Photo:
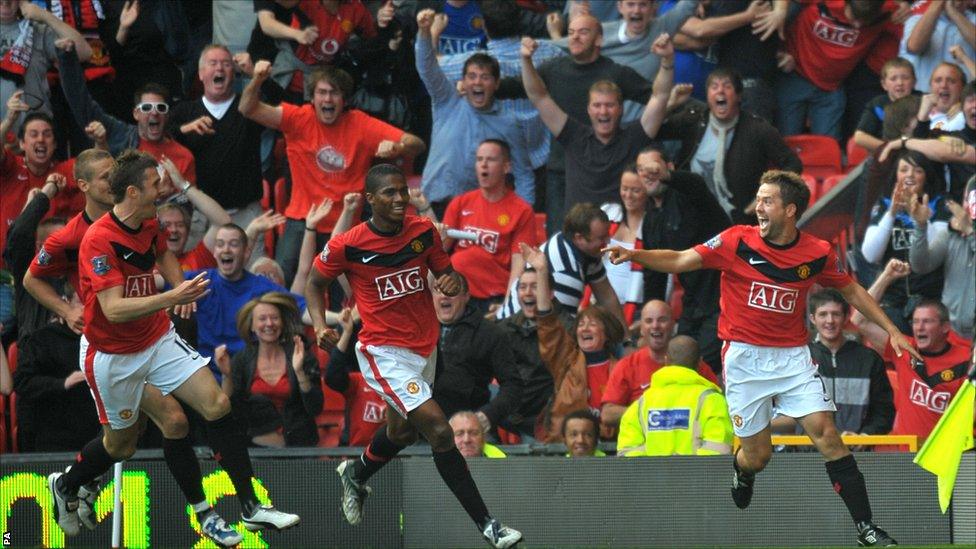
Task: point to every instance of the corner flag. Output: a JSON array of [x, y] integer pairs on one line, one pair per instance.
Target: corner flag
[[952, 436]]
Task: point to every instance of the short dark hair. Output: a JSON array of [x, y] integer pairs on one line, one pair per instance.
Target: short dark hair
[[85, 160], [631, 167], [484, 61], [792, 189], [235, 227], [828, 295], [579, 217], [726, 72], [36, 115], [866, 11], [153, 88], [934, 181], [335, 77], [969, 89], [377, 175], [655, 148], [586, 414], [130, 170], [502, 18], [52, 222], [503, 145], [935, 304]]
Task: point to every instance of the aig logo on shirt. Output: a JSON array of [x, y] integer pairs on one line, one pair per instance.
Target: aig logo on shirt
[[486, 239], [922, 395], [400, 283], [836, 34], [139, 285], [769, 297]]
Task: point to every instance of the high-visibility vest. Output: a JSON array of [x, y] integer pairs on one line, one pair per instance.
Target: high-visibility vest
[[681, 413], [492, 451]]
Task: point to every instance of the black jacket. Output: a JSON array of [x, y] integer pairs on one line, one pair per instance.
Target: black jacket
[[523, 336], [298, 415], [689, 215], [856, 380], [470, 353], [52, 419], [756, 147]]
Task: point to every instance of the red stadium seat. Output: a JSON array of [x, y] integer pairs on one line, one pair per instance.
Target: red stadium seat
[[281, 195], [265, 195], [814, 187], [855, 154], [12, 357], [819, 154], [677, 298], [831, 182]]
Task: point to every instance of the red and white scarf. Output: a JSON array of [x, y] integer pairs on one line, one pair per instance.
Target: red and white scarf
[[18, 57]]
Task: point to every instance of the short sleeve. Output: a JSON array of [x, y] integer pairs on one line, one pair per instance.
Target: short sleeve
[[572, 132], [450, 217], [51, 260], [717, 252], [100, 265], [834, 274], [525, 232], [617, 390], [594, 272], [292, 118], [871, 119], [331, 261]]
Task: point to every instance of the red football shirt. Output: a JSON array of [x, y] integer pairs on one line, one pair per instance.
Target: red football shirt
[[825, 45], [597, 375], [197, 259], [366, 408], [181, 156], [58, 255], [351, 18], [17, 181], [924, 391], [388, 275], [113, 254], [500, 227], [328, 161], [632, 376], [764, 286]]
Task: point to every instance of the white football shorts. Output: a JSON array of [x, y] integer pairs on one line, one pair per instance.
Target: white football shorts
[[403, 378]]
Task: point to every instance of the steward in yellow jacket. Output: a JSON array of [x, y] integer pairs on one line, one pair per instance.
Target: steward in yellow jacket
[[681, 413]]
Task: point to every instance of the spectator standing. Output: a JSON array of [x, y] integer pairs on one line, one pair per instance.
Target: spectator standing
[[914, 203], [500, 219], [633, 373], [580, 368], [329, 149], [897, 80], [926, 385], [225, 144], [826, 41], [599, 153], [957, 260], [730, 148], [462, 123], [681, 413], [931, 32], [682, 212], [274, 383], [854, 375], [626, 218], [471, 352], [941, 108]]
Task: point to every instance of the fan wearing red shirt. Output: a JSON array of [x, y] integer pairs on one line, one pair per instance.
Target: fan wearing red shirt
[[826, 40], [20, 174], [632, 374], [329, 149], [927, 385], [387, 260], [767, 271], [500, 219], [129, 344]]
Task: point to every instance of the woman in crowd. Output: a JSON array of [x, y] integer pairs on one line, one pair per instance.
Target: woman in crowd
[[626, 220], [915, 201], [274, 383]]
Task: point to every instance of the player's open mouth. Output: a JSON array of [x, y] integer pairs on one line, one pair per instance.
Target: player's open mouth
[[763, 222]]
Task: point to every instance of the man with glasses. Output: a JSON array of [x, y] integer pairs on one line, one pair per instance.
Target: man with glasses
[[150, 112]]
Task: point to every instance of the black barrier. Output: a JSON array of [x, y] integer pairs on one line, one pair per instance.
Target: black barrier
[[556, 502]]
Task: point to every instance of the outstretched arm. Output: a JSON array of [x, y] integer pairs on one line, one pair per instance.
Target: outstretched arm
[[665, 261], [552, 116], [859, 298], [875, 332]]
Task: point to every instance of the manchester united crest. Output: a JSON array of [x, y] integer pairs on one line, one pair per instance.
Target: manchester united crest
[[417, 246], [503, 219], [413, 387], [803, 271], [947, 375]]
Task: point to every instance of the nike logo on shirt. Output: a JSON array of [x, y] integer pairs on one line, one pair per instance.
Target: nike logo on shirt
[[754, 261], [369, 258], [467, 212]]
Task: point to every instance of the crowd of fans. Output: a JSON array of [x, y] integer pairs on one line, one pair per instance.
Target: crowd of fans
[[535, 133]]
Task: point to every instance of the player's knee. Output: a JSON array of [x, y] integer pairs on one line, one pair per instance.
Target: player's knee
[[402, 437], [175, 425], [440, 437], [757, 460], [217, 408], [119, 449]]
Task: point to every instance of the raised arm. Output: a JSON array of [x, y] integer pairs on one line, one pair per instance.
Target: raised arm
[[425, 53], [251, 105], [653, 115], [958, 17], [63, 30], [871, 330], [865, 304], [315, 289], [306, 256], [552, 116], [665, 261], [918, 40], [536, 258]]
